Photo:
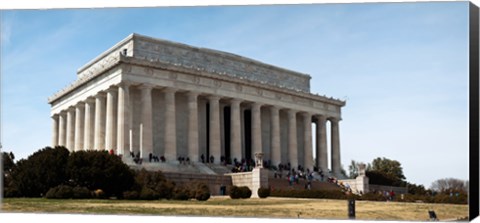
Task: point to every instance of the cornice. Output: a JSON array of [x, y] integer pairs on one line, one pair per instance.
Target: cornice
[[118, 59]]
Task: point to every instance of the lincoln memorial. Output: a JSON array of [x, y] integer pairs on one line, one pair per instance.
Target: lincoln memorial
[[151, 96]]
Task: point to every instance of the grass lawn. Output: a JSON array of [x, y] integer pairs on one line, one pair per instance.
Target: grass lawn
[[224, 206]]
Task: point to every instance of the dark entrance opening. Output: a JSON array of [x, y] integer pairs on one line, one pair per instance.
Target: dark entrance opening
[[226, 127], [207, 155], [247, 114]]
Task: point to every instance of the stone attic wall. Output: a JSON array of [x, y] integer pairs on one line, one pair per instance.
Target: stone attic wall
[[219, 62]]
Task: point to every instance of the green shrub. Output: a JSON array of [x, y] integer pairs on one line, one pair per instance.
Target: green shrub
[[81, 192], [439, 198], [40, 172], [60, 192], [131, 195], [99, 170], [235, 192], [202, 192], [10, 192], [325, 194], [263, 192], [240, 192], [372, 197], [245, 192], [181, 193], [149, 194], [154, 181]]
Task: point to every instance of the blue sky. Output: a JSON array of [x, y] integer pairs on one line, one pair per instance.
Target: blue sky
[[401, 67]]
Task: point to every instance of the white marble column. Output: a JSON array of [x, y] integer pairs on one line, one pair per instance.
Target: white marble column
[[55, 127], [99, 139], [79, 122], [146, 136], [123, 122], [193, 151], [70, 129], [170, 125], [256, 129], [307, 141], [321, 150], [110, 133], [276, 150], [89, 124], [335, 143], [292, 139], [235, 132], [214, 137], [62, 128]]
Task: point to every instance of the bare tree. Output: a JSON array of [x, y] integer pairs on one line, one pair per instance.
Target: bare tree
[[449, 185]]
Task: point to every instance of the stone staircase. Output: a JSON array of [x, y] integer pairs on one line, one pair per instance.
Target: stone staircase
[[176, 167], [172, 166], [205, 169], [213, 175], [219, 169]]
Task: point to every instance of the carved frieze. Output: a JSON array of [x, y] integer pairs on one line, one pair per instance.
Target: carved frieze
[[148, 71], [239, 88], [217, 83], [172, 75], [259, 91]]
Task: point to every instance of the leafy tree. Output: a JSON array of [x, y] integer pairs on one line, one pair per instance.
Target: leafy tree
[[8, 162], [9, 189], [448, 185], [391, 168], [369, 167], [416, 189], [99, 170], [343, 171], [42, 170], [380, 178], [353, 169]]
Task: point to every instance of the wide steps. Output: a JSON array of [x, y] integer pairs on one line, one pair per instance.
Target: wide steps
[[170, 167]]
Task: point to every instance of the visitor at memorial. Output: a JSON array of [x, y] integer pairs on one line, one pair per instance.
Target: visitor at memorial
[[212, 158], [392, 195]]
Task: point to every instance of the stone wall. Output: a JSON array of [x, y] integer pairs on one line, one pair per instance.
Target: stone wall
[[253, 180], [358, 185], [219, 62], [397, 190], [214, 182]]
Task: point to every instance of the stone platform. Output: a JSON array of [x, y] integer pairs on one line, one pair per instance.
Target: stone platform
[[216, 176]]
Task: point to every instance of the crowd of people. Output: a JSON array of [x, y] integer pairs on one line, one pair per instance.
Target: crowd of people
[[389, 195], [183, 160], [151, 158], [244, 165], [344, 186]]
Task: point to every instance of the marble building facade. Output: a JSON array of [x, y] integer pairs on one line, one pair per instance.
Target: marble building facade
[[154, 96]]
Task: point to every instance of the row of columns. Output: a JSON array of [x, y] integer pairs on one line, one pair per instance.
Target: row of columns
[[90, 123]]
